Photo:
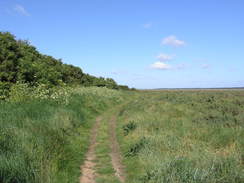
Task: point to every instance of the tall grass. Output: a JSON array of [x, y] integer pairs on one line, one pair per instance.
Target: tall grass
[[44, 136], [190, 137]]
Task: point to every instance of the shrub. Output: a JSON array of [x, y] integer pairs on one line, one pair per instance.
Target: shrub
[[129, 127], [137, 147]]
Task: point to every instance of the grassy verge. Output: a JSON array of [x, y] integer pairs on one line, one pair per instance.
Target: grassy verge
[[175, 136], [45, 140], [104, 168]]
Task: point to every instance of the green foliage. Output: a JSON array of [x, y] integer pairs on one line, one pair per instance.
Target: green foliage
[[10, 54], [4, 90], [124, 87], [22, 92], [129, 127], [137, 147], [21, 62]]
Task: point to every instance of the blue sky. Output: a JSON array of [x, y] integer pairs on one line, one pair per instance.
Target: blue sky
[[140, 43]]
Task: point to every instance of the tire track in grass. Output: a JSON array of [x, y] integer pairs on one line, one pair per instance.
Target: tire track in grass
[[88, 173], [115, 151]]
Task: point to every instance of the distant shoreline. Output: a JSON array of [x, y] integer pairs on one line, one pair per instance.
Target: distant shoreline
[[222, 88]]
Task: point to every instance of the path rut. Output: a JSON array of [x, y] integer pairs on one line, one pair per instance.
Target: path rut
[[88, 174], [115, 151], [88, 168]]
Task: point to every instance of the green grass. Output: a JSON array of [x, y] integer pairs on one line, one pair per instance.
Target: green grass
[[45, 140], [104, 168], [164, 136], [183, 136]]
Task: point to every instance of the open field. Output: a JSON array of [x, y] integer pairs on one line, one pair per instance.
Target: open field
[[139, 137], [129, 91], [183, 136]]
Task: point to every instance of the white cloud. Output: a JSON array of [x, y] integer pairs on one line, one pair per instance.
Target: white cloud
[[21, 10], [147, 25], [162, 57], [173, 41], [160, 65]]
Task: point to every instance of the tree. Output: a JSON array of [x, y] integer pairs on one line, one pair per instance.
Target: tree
[[9, 57], [21, 62]]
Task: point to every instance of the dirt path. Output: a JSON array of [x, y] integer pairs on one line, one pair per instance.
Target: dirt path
[[103, 139], [115, 152], [87, 169]]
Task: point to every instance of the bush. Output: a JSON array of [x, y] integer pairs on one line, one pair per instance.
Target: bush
[[137, 147], [129, 127]]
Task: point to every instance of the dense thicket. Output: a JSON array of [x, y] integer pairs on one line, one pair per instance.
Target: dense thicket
[[21, 62]]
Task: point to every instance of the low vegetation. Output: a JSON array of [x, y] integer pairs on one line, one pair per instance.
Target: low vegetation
[[183, 136], [44, 139]]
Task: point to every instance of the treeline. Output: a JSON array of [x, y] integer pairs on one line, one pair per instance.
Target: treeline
[[21, 62]]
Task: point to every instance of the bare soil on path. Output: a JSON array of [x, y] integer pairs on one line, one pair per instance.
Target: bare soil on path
[[87, 169], [115, 151]]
